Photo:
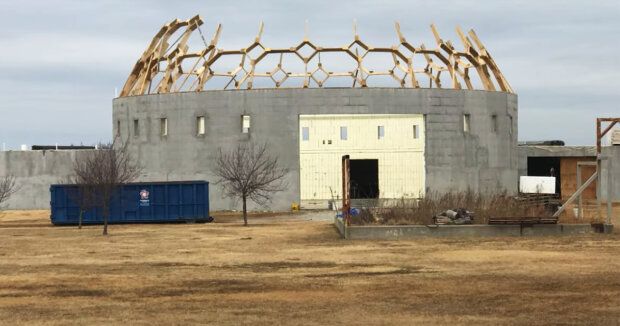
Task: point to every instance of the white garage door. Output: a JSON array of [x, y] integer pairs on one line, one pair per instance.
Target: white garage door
[[395, 141]]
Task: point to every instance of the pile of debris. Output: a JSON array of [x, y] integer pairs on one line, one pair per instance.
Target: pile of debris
[[454, 216]]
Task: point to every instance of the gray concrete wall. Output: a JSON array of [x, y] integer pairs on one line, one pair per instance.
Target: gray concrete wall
[[481, 159], [465, 231], [611, 167], [35, 171]]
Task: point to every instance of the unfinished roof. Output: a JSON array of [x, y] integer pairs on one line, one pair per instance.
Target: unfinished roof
[[170, 68]]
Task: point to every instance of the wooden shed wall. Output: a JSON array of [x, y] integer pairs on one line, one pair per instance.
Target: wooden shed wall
[[568, 176]]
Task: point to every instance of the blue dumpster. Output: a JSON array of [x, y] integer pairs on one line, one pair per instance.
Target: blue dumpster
[[155, 202]]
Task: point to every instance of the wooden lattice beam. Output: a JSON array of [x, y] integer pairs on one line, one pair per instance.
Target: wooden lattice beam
[[160, 68]]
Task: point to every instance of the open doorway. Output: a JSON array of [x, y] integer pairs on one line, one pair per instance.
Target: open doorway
[[545, 167], [364, 178]]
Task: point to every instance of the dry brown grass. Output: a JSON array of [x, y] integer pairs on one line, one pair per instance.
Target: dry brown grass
[[297, 273]]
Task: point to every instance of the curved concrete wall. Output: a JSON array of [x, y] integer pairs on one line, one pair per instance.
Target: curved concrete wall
[[481, 159]]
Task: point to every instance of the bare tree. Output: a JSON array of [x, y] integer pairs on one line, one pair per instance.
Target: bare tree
[[105, 170], [7, 187], [250, 172], [81, 193]]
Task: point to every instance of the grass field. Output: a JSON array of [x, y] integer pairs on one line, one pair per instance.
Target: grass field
[[285, 270]]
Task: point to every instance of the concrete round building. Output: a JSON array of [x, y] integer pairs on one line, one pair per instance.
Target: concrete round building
[[403, 141]]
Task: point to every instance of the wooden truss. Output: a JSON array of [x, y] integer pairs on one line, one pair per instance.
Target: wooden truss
[[169, 68], [599, 134]]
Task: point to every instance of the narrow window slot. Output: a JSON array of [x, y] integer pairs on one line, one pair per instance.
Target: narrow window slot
[[136, 127], [164, 126], [466, 122], [200, 125], [245, 124]]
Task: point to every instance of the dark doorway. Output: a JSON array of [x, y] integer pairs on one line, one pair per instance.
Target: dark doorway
[[364, 178], [545, 167]]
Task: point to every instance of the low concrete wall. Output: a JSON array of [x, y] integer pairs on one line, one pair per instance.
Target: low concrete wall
[[467, 231], [34, 172]]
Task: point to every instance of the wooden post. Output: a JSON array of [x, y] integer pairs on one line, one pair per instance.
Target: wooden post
[[580, 207], [610, 196], [346, 190]]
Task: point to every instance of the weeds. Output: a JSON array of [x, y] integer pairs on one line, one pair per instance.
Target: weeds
[[422, 211]]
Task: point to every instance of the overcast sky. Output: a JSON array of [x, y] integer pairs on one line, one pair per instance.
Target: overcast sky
[[60, 61]]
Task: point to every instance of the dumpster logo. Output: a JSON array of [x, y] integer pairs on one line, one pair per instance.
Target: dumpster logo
[[144, 197]]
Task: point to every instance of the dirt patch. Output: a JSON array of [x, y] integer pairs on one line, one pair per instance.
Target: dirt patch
[[367, 273], [78, 293], [204, 287], [13, 295], [237, 216], [173, 264], [274, 266]]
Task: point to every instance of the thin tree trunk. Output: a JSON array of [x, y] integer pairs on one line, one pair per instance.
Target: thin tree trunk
[[105, 219], [80, 219], [245, 213]]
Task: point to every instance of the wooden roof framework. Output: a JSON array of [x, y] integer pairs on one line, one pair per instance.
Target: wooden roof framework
[[160, 68]]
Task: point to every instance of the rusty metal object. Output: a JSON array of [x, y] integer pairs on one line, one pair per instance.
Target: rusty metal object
[[346, 190]]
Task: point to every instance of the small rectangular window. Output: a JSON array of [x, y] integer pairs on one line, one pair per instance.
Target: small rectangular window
[[416, 132], [343, 133], [510, 122], [245, 124], [380, 132], [164, 126], [136, 127], [494, 123], [305, 133], [200, 125], [118, 127], [466, 125]]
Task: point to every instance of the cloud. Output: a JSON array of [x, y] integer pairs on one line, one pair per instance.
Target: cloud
[[45, 113], [71, 51]]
